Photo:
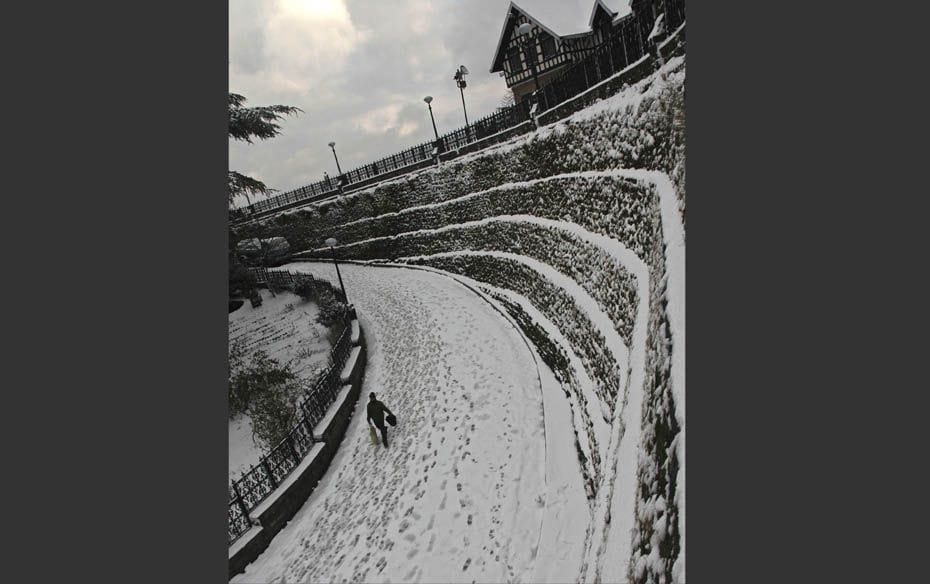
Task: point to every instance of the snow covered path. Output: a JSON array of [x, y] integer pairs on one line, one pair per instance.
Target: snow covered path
[[460, 495]]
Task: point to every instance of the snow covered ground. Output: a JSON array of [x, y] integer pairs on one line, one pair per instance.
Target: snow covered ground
[[285, 327], [610, 177], [481, 481]]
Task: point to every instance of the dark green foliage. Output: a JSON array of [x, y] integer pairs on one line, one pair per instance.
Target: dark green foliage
[[265, 390], [331, 309], [237, 400], [246, 123], [305, 287], [320, 292], [274, 411], [259, 122], [239, 184], [241, 281]]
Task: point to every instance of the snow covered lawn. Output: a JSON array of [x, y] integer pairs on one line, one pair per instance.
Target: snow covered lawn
[[285, 327]]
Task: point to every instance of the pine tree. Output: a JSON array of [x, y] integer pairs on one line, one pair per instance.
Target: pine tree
[[246, 123]]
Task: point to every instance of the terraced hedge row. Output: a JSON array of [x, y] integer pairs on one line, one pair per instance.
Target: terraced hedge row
[[656, 526], [560, 308], [558, 362], [610, 205], [637, 226], [555, 304], [599, 273], [647, 133]]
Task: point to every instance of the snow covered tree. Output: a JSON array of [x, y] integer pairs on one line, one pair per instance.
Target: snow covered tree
[[246, 123], [506, 100], [266, 391]]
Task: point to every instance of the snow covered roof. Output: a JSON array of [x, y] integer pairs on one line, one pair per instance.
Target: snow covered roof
[[617, 8], [561, 17]]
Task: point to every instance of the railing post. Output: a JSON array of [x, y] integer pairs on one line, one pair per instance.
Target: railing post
[[309, 427], [267, 467], [290, 441], [242, 505]]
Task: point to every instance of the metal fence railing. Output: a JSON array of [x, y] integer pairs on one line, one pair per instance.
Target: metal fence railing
[[286, 279], [249, 490], [625, 47]]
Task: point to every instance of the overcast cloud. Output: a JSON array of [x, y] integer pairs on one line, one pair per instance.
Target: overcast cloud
[[359, 70]]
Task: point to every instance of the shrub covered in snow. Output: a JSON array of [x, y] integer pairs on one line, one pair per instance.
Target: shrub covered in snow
[[641, 127], [656, 541], [601, 275], [322, 293], [553, 302], [267, 391]]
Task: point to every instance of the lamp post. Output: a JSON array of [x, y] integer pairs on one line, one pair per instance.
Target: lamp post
[[333, 146], [331, 243], [459, 77], [338, 180], [428, 99], [525, 31]]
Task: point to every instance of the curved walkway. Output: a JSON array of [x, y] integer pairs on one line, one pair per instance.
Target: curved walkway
[[461, 493]]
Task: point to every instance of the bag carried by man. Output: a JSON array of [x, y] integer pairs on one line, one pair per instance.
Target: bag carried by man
[[391, 419], [374, 434]]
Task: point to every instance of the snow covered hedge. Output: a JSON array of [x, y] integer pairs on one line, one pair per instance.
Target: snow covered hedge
[[656, 540], [599, 273], [615, 205], [640, 127], [558, 362], [552, 301]]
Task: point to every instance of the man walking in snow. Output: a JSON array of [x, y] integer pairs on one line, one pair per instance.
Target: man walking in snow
[[376, 411]]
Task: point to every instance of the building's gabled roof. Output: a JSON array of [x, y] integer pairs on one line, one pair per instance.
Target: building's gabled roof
[[616, 8], [560, 18]]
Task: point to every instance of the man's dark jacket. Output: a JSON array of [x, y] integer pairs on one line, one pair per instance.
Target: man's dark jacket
[[376, 411]]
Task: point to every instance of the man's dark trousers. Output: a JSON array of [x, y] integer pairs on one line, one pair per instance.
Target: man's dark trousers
[[383, 432]]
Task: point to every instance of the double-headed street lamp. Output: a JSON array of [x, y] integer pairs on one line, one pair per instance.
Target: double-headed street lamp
[[331, 244], [459, 77]]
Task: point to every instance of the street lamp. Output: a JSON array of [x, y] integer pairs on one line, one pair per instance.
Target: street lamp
[[331, 243], [459, 77], [428, 99], [333, 146], [525, 31]]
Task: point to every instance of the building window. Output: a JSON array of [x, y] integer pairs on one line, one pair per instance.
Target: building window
[[548, 47], [514, 57]]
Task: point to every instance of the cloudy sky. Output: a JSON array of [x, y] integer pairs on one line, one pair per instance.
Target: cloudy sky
[[359, 70]]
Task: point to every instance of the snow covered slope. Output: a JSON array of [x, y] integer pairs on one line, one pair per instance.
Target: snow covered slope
[[576, 235], [461, 493]]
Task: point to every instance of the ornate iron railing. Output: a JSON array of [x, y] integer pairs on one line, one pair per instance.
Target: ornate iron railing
[[286, 279], [627, 45], [249, 490]]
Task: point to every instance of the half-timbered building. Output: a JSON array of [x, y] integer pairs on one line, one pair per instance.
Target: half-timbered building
[[563, 33]]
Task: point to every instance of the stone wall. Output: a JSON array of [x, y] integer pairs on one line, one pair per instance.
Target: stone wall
[[274, 513]]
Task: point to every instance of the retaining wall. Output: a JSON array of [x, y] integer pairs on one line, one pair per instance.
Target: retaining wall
[[281, 506]]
